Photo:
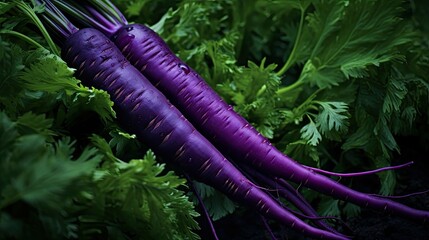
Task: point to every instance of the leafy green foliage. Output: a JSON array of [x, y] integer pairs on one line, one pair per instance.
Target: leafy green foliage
[[322, 79], [42, 178], [310, 133], [331, 83], [79, 197], [140, 199], [11, 64], [57, 178], [31, 123], [51, 75], [333, 117], [252, 93], [347, 39]]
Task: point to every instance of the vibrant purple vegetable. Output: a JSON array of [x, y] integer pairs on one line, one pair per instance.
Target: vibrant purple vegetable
[[224, 127], [214, 118], [145, 111], [290, 194]]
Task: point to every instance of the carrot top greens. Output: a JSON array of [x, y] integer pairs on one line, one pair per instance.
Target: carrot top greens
[[67, 171]]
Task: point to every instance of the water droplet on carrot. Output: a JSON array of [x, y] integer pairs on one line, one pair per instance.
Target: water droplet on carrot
[[128, 38], [184, 68]]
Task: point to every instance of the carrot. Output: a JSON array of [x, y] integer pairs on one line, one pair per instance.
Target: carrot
[[143, 110], [212, 116]]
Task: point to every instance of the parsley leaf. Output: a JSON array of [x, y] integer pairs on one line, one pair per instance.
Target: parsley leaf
[[310, 133], [346, 39], [40, 178], [332, 116], [50, 74], [141, 198]]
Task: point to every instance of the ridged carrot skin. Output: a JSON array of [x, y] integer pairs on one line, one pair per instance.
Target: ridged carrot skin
[[226, 129], [146, 112]]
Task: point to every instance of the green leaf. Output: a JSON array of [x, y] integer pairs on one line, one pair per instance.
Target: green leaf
[[351, 210], [332, 117], [42, 173], [385, 135], [135, 8], [408, 116], [32, 123], [125, 146], [321, 77], [91, 99], [141, 198], [50, 74], [347, 39], [39, 180], [395, 92], [222, 56], [8, 133], [11, 65], [253, 91], [189, 23], [216, 203], [329, 207], [297, 114], [304, 152], [388, 183], [363, 135], [310, 133], [4, 7]]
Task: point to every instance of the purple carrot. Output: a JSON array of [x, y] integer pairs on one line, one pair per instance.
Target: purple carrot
[[143, 110], [356, 174], [203, 208], [291, 195], [212, 116]]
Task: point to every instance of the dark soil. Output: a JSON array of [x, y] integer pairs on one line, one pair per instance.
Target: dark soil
[[369, 225], [375, 225]]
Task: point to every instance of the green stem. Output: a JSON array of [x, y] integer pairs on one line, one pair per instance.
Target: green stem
[[32, 15], [23, 37], [240, 23], [294, 85], [290, 60], [261, 90]]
